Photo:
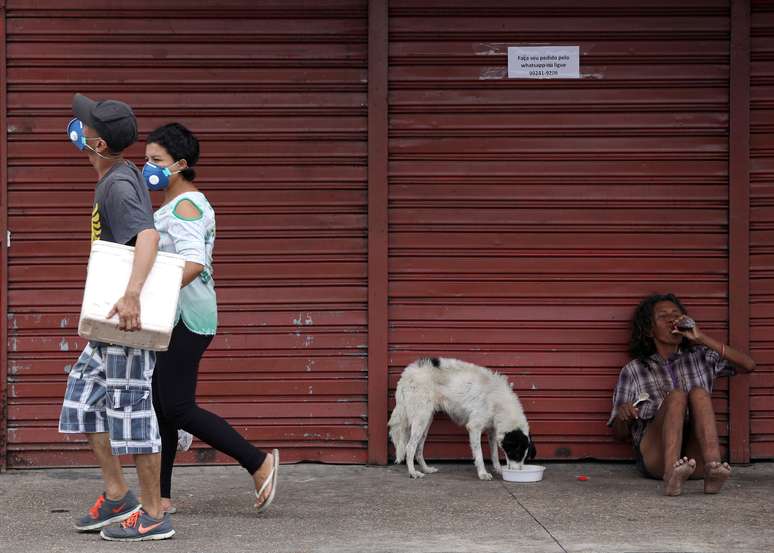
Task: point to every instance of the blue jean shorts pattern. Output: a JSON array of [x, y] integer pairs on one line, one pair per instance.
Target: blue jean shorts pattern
[[109, 390]]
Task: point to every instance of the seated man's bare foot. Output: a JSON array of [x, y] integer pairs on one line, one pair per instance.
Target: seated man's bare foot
[[715, 475], [680, 472]]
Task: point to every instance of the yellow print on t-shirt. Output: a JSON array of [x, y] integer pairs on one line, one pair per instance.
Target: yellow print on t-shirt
[[96, 224]]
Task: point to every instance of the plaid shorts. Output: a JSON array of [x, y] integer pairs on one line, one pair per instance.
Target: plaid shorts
[[109, 390]]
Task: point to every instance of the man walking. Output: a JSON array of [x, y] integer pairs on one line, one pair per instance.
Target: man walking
[[108, 395]]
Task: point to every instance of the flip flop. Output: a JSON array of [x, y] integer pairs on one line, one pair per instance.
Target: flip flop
[[272, 478], [171, 511]]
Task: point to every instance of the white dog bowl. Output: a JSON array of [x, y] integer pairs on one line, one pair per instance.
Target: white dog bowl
[[527, 473]]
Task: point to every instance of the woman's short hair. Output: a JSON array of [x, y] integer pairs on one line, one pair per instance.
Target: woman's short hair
[[180, 143]]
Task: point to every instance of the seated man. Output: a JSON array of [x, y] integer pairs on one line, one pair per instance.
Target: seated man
[[675, 365]]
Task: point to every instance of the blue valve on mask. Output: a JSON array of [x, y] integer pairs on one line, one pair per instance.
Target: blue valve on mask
[[75, 133], [156, 177]]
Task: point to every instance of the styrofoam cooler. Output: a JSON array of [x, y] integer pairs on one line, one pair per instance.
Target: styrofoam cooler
[[110, 266]]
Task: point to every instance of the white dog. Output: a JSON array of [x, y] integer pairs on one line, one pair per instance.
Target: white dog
[[472, 396]]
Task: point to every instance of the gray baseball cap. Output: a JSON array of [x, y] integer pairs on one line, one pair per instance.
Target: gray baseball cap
[[113, 120]]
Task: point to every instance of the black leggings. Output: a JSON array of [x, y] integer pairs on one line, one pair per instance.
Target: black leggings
[[174, 390]]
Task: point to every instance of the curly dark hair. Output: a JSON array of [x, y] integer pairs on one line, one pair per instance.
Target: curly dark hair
[[641, 344], [180, 143]]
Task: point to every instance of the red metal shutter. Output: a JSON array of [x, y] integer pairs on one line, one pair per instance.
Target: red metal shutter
[[528, 218], [276, 91], [762, 230]]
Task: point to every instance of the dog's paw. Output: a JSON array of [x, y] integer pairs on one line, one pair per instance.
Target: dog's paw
[[484, 476], [429, 470], [498, 469], [416, 474]]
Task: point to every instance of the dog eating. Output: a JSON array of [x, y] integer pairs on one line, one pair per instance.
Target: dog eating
[[473, 397]]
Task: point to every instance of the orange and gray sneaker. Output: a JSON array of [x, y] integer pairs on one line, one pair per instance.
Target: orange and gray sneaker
[[140, 526], [106, 511]]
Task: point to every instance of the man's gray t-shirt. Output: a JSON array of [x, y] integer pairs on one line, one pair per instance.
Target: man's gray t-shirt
[[122, 205]]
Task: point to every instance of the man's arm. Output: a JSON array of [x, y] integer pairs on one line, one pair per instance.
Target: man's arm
[[621, 423], [128, 307], [736, 358], [624, 411], [621, 431]]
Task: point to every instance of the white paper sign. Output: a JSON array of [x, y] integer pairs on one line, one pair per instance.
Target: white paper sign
[[544, 62]]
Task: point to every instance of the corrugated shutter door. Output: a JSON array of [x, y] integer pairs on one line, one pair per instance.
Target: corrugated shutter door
[[277, 93], [528, 218], [762, 230]]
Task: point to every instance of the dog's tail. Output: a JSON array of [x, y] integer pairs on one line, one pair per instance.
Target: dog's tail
[[399, 428]]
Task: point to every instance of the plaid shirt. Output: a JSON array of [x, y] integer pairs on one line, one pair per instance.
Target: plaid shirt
[[697, 366]]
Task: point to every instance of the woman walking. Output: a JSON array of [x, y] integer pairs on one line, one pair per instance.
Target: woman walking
[[186, 224]]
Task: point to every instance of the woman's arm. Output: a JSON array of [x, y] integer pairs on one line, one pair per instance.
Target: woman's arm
[[188, 211], [190, 272]]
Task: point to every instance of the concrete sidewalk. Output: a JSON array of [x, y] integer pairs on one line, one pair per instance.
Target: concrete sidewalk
[[326, 508]]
